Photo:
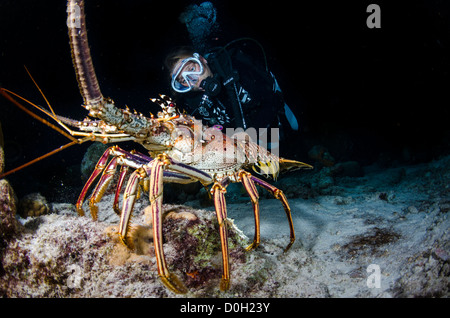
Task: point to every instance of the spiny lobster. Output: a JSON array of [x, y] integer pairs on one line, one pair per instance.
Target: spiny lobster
[[181, 150]]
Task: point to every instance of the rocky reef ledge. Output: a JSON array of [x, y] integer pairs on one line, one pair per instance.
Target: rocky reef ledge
[[381, 233]]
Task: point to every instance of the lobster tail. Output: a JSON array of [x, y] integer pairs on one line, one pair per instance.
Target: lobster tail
[[81, 55]]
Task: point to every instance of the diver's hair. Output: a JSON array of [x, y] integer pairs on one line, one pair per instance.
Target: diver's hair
[[175, 55]]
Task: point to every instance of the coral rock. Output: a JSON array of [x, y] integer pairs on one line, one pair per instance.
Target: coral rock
[[348, 169], [33, 204], [90, 159], [8, 223], [69, 256], [321, 155], [2, 160], [2, 154]]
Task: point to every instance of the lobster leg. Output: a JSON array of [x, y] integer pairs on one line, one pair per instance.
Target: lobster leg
[[122, 158], [101, 164], [218, 190], [161, 169], [101, 187], [249, 185], [129, 198], [157, 174], [128, 232], [123, 173], [156, 197], [278, 194]]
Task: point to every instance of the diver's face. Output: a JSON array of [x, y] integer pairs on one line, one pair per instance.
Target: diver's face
[[190, 74]]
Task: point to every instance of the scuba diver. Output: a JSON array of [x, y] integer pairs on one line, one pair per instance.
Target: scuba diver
[[228, 89]]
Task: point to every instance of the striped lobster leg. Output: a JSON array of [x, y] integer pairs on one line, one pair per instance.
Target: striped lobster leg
[[101, 164], [101, 187], [123, 172], [218, 191], [156, 196], [249, 185], [161, 169], [122, 175], [121, 157], [278, 194]]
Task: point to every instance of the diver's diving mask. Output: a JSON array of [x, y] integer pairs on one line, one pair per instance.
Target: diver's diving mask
[[187, 74]]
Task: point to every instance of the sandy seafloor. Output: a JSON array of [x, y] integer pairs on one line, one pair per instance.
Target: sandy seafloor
[[392, 221]]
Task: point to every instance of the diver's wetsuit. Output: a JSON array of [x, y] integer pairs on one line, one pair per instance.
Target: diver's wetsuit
[[260, 100]]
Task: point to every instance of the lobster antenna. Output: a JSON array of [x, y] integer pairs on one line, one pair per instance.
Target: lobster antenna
[[74, 141], [42, 93], [5, 92], [2, 175]]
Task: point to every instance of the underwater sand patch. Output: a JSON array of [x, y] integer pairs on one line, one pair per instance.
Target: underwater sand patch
[[370, 243]]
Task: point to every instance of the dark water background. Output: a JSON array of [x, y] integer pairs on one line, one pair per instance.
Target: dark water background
[[362, 93]]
